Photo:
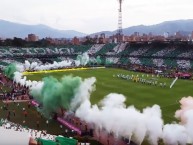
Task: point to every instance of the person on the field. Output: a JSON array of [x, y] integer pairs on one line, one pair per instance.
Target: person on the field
[[155, 83]]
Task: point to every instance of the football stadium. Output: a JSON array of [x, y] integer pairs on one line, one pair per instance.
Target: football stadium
[[102, 94]]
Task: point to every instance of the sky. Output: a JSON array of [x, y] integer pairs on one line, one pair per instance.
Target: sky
[[90, 16]]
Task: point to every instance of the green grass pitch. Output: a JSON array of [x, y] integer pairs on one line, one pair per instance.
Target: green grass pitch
[[137, 94]]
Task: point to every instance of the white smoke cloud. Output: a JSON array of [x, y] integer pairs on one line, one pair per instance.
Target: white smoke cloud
[[37, 66], [189, 122], [20, 67], [154, 123], [33, 65], [115, 117], [112, 115], [85, 58], [27, 65], [37, 87], [55, 65], [174, 134], [82, 59], [83, 93], [22, 80]]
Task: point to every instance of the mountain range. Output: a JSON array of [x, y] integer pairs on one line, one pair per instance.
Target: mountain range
[[183, 26], [11, 29]]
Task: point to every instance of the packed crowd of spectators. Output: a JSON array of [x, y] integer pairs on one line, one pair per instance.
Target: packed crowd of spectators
[[173, 56]]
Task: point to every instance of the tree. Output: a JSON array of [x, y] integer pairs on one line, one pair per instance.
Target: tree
[[89, 40], [7, 42], [18, 42]]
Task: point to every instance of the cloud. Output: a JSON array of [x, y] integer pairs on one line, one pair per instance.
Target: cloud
[[92, 16]]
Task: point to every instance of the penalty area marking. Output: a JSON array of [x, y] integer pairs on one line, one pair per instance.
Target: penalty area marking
[[61, 70]]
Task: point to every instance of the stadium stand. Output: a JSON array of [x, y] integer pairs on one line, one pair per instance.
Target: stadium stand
[[152, 55], [95, 48], [105, 49]]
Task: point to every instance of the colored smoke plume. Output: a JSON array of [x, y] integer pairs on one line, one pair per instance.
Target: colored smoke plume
[[185, 114], [82, 59], [10, 70], [108, 62], [186, 105], [65, 93], [98, 60]]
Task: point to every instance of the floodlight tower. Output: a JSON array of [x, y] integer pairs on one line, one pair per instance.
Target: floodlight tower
[[120, 30]]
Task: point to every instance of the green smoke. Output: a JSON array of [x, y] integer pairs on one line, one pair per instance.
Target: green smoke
[[98, 59], [56, 94], [91, 61], [79, 57], [84, 58], [108, 62], [9, 70]]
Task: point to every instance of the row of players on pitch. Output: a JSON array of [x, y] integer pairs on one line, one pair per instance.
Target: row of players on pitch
[[151, 81]]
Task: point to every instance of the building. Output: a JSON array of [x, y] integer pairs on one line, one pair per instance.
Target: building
[[192, 35], [32, 38], [166, 34], [178, 35], [75, 41], [55, 41], [136, 34]]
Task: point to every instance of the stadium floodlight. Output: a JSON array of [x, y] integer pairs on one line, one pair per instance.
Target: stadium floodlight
[[120, 30]]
